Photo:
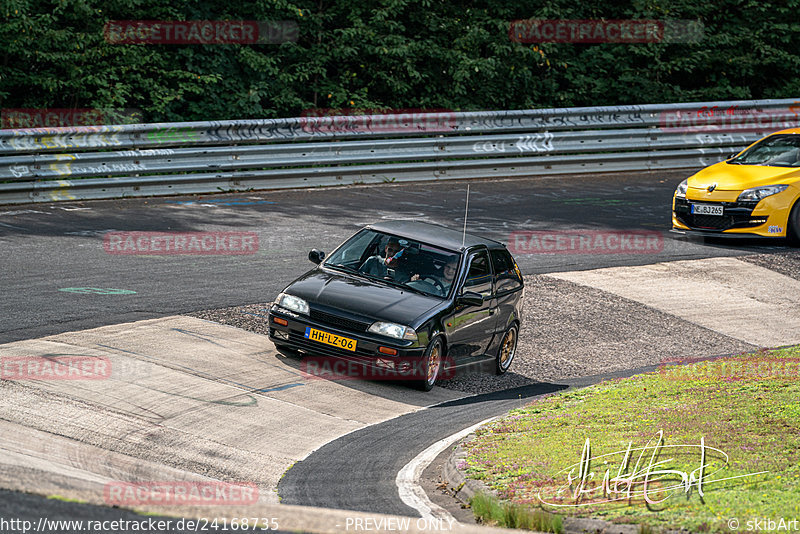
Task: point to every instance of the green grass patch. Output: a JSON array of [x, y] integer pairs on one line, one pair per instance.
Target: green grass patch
[[695, 437], [489, 510]]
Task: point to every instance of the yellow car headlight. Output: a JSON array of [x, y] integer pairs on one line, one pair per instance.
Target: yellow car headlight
[[757, 193]]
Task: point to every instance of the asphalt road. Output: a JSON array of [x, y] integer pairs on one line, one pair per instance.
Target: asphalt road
[[47, 248], [372, 456]]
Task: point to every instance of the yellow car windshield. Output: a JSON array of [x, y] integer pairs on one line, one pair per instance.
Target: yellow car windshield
[[774, 151]]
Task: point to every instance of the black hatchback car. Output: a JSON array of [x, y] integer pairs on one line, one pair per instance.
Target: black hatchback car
[[407, 300]]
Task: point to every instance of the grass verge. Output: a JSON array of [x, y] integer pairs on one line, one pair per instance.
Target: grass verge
[[694, 446], [491, 511]]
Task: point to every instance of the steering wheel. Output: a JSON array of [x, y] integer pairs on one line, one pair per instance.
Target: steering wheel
[[436, 283]]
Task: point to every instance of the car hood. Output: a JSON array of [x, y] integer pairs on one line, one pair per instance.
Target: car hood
[[361, 296], [739, 177]]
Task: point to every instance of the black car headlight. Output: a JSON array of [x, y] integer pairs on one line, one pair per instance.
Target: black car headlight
[[757, 193], [290, 302], [396, 331], [680, 192]]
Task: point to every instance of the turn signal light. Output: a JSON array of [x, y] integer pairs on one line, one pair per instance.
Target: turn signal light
[[387, 350], [282, 322]]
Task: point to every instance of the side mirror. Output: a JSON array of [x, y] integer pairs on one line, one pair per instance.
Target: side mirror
[[316, 256], [470, 298]]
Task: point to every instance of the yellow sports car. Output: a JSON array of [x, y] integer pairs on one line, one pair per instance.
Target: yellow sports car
[[755, 193]]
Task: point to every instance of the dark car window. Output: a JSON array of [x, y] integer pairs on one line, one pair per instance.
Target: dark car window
[[479, 277], [506, 274], [415, 265]]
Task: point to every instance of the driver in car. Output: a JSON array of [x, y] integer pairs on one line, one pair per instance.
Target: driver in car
[[394, 265]]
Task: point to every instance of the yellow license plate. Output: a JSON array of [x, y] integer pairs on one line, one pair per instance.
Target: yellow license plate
[[330, 339]]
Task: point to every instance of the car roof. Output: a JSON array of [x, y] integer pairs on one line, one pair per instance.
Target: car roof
[[786, 131], [433, 234]]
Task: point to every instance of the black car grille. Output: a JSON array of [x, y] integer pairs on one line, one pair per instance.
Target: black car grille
[[338, 321], [736, 215]]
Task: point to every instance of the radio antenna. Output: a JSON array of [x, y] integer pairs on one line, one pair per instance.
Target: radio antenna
[[466, 212]]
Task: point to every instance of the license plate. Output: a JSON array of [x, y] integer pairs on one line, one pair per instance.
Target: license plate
[[706, 209], [330, 339]]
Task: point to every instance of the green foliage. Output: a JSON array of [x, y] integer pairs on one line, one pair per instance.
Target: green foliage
[[388, 54], [488, 509]]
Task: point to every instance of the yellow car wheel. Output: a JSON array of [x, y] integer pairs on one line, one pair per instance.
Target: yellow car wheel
[[793, 231]]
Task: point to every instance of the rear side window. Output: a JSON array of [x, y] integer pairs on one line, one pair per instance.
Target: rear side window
[[479, 277], [506, 273]]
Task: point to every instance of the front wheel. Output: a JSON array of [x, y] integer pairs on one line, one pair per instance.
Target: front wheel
[[793, 231], [508, 347], [432, 364]]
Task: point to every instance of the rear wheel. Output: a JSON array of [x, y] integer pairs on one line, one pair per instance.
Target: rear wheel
[[793, 231], [508, 347], [433, 363]]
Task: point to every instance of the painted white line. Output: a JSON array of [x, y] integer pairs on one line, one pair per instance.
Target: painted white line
[[411, 493]]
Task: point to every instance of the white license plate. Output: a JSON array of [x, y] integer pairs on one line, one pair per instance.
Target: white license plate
[[706, 209]]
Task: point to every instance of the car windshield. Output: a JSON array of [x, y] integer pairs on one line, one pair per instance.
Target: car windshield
[[398, 261], [774, 151]]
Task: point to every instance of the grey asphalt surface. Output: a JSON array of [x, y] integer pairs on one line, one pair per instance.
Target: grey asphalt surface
[[48, 247]]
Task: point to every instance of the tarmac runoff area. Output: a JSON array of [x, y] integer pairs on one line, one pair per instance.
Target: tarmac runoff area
[[729, 296], [195, 402]]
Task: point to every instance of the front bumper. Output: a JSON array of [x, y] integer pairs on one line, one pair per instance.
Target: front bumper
[[407, 363], [736, 216]]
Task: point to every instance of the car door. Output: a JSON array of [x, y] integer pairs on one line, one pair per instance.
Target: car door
[[470, 328], [507, 287]]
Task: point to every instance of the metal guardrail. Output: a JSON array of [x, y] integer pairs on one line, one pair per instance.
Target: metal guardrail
[[46, 164]]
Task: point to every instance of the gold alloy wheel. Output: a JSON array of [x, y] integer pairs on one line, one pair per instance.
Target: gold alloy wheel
[[433, 363], [509, 345]]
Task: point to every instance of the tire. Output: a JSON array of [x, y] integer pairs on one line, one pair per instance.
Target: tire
[[433, 365], [793, 229], [507, 350]]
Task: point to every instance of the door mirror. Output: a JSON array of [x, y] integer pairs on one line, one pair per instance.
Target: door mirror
[[316, 256], [470, 298]]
